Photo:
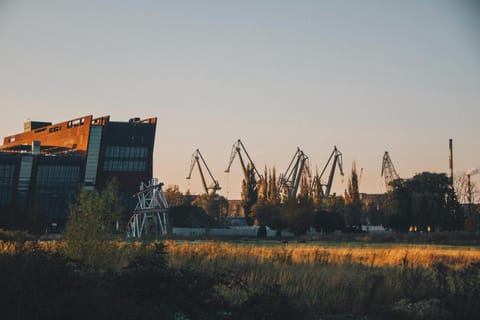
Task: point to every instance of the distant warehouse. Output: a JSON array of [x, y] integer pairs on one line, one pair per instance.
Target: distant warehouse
[[42, 169]]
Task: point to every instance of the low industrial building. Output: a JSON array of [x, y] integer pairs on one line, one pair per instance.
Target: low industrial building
[[43, 168]]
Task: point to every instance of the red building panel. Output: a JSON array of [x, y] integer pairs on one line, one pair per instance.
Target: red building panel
[[72, 134]]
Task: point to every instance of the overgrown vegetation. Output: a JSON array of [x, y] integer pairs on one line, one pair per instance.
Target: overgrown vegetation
[[425, 202], [93, 217], [90, 275], [214, 280]]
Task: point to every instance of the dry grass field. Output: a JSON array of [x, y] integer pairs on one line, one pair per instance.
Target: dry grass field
[[336, 278], [378, 280], [372, 255]]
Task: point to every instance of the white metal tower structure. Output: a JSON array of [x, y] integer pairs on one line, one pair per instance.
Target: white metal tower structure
[[150, 215]]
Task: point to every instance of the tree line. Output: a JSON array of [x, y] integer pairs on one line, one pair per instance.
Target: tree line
[[425, 202]]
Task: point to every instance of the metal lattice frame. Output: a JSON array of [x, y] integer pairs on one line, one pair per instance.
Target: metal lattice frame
[[290, 181], [388, 171], [150, 215]]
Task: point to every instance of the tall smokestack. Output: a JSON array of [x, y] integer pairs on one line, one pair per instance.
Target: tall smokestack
[[469, 195], [450, 162]]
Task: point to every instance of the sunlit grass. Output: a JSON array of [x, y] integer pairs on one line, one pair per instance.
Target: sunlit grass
[[232, 253], [328, 278], [321, 277], [373, 256]]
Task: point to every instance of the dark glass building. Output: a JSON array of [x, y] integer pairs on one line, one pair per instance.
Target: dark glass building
[[43, 168]]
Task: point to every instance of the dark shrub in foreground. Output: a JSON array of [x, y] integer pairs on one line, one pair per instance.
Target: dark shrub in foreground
[[148, 281], [269, 304], [34, 284]]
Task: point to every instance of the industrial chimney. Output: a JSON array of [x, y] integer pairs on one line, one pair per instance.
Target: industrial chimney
[[450, 162]]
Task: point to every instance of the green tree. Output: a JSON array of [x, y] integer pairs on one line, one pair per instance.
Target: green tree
[[426, 200], [111, 205], [93, 216], [353, 206], [455, 217], [213, 204], [398, 206], [261, 212], [276, 219], [263, 186], [298, 215], [173, 196], [333, 203], [85, 229], [328, 222], [305, 192], [373, 214], [273, 191], [249, 194]]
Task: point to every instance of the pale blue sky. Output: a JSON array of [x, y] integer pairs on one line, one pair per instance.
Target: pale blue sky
[[367, 76]]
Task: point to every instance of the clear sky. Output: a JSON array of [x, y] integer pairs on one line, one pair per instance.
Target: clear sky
[[366, 76]]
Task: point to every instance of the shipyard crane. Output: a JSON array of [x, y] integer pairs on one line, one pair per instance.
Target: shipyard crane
[[388, 171], [290, 180], [237, 149], [196, 157], [336, 160]]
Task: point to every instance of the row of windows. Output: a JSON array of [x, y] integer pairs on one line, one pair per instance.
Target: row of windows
[[126, 165], [46, 172], [6, 174], [58, 178], [75, 123], [126, 152]]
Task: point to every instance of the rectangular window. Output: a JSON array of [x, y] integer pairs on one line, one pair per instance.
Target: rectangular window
[[125, 158]]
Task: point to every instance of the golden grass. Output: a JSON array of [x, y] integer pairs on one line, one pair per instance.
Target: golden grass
[[304, 254], [321, 278], [340, 277], [419, 255]]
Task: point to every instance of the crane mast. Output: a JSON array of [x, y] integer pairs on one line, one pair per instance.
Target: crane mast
[[336, 159], [196, 158], [388, 171], [237, 148], [290, 180]]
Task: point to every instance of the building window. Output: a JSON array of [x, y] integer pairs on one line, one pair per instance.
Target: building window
[[125, 158], [57, 179], [6, 183]]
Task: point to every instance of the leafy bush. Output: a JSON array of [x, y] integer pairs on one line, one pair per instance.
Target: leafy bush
[[191, 216]]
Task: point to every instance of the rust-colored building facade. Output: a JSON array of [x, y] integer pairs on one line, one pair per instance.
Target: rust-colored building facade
[[42, 168]]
